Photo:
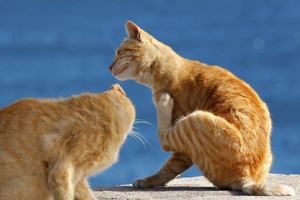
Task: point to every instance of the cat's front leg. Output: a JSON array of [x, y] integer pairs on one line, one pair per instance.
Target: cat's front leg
[[164, 107], [60, 180], [83, 191], [178, 162], [175, 165]]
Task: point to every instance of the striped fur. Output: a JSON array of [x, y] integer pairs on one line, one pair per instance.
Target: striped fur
[[49, 147], [218, 121]]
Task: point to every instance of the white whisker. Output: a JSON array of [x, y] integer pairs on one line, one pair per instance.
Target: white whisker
[[137, 121], [114, 46], [137, 135]]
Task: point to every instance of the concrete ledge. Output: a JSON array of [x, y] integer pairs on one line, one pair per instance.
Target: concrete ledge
[[192, 188]]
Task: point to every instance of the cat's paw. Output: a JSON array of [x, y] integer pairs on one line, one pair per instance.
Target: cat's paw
[[165, 103], [142, 184]]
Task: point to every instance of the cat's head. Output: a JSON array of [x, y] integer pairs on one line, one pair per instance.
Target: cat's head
[[136, 53], [123, 105]]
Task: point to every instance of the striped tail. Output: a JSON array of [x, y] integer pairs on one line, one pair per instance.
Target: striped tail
[[266, 189]]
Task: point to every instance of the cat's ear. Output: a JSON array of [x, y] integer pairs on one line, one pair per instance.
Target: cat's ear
[[117, 88], [133, 31]]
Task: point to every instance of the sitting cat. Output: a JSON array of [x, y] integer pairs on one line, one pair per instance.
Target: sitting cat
[[49, 147], [218, 121]]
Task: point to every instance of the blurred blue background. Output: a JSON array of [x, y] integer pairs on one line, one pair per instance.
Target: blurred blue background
[[59, 48]]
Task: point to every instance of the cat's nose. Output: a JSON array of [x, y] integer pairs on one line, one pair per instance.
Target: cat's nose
[[110, 67]]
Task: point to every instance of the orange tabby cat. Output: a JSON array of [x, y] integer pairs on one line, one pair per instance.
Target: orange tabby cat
[[218, 121], [49, 147]]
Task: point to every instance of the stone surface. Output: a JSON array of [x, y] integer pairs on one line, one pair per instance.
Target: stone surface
[[192, 188]]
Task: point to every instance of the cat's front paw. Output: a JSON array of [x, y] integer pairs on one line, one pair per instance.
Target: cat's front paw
[[144, 184], [165, 103]]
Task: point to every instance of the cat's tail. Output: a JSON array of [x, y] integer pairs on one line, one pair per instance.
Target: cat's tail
[[266, 189]]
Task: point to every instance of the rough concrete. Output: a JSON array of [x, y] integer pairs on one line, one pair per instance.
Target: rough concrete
[[192, 188]]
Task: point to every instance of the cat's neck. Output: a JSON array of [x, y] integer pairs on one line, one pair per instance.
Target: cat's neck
[[162, 69]]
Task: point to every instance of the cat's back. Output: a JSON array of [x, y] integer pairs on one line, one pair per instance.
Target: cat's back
[[41, 116], [13, 116], [217, 90], [221, 90], [18, 107], [25, 116], [212, 85]]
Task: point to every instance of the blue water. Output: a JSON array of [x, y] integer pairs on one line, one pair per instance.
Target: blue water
[[59, 48]]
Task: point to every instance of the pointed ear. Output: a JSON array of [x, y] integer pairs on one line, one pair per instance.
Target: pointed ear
[[133, 31]]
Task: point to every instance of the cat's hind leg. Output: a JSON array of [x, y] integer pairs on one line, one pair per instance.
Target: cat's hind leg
[[212, 143], [196, 130]]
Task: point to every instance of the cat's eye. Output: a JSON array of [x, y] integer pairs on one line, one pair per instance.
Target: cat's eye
[[118, 53]]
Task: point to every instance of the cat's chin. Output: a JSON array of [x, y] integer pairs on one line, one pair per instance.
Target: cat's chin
[[120, 78], [123, 74]]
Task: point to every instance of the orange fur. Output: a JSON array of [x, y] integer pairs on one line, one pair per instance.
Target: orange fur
[[49, 147], [218, 121]]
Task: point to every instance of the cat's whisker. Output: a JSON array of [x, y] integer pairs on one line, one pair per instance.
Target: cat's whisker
[[113, 46], [137, 135], [137, 121]]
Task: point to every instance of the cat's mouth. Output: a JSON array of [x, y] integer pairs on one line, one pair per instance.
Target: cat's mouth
[[120, 71]]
